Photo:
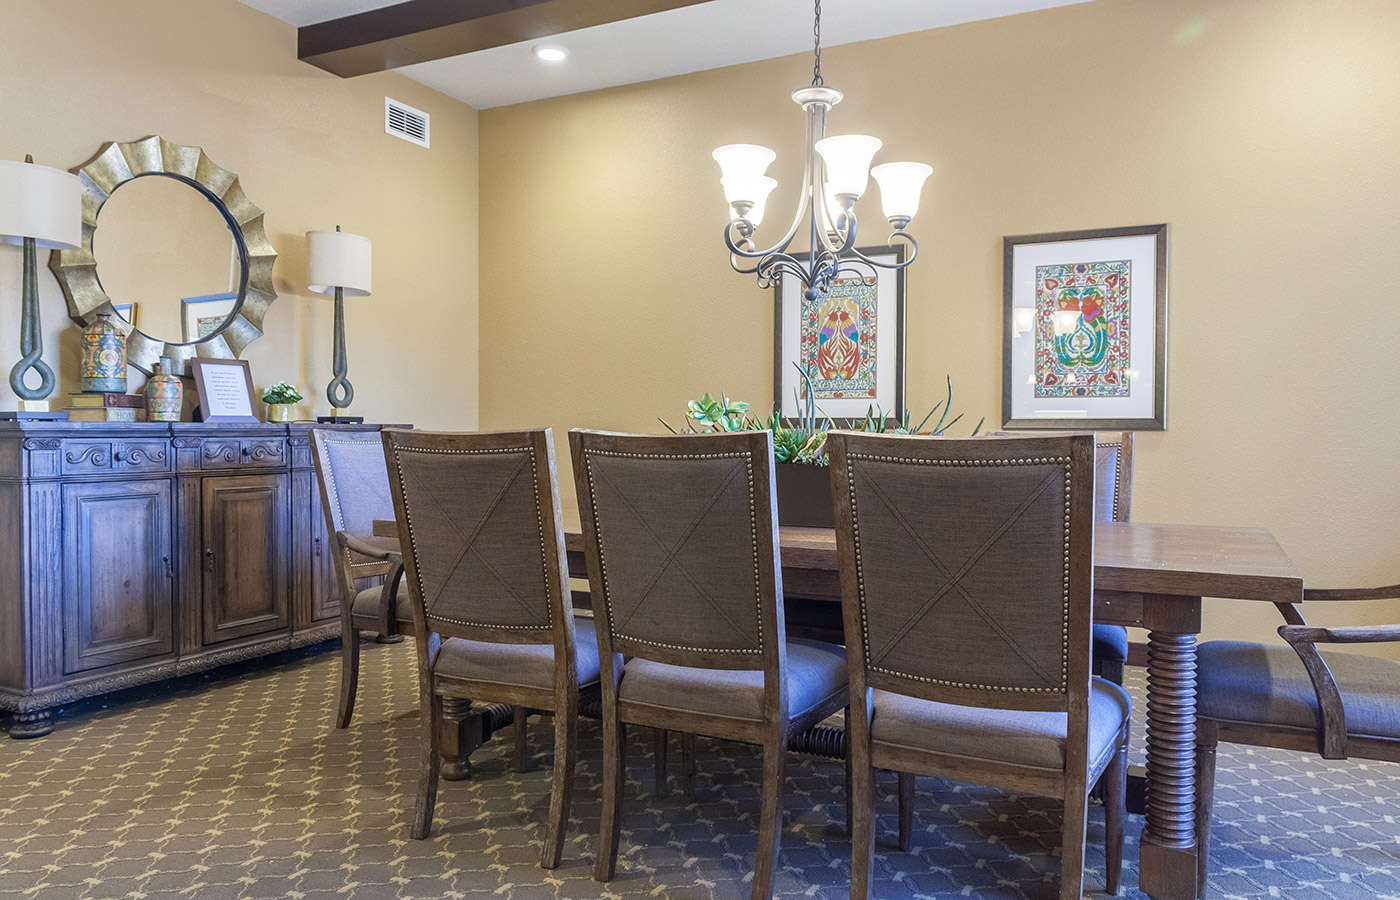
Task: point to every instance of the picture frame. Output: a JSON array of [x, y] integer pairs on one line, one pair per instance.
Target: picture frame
[[225, 389], [1084, 330], [870, 373], [127, 311], [202, 317]]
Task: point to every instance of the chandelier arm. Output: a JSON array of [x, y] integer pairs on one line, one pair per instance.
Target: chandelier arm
[[908, 240], [737, 248]]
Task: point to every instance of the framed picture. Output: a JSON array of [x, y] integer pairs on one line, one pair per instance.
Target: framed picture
[[225, 389], [849, 341], [1084, 330], [127, 311], [203, 316]]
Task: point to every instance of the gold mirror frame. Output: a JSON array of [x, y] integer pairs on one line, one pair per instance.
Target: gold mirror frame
[[76, 270]]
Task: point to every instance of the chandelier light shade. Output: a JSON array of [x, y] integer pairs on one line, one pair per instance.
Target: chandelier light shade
[[837, 173]]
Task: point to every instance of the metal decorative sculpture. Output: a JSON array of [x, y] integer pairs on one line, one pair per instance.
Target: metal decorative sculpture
[[76, 270]]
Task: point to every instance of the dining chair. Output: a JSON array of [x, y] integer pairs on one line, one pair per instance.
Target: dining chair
[[354, 492], [488, 581], [1113, 501], [1338, 705], [680, 533], [967, 593]]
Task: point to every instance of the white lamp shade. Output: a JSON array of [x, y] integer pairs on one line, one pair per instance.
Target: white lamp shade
[[1065, 321], [847, 159], [1022, 319], [42, 203], [743, 161], [753, 191], [900, 186], [338, 259]]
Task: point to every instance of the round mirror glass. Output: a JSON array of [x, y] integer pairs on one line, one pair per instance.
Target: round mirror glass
[[167, 259]]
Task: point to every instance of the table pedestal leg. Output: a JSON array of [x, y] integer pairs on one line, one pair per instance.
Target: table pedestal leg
[[1168, 857], [461, 734]]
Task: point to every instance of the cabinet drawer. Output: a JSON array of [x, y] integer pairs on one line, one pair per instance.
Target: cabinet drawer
[[230, 453], [92, 457]]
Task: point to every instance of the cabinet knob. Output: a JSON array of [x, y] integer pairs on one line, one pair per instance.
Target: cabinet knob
[[209, 558], [169, 572], [117, 456], [247, 452], [318, 545]]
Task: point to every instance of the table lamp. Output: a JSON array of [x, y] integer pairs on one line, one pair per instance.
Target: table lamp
[[40, 207], [338, 262]]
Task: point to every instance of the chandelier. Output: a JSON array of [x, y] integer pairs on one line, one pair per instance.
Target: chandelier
[[837, 174]]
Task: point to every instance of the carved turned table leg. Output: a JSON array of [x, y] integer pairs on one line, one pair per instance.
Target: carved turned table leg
[[1168, 858], [32, 724], [461, 734]]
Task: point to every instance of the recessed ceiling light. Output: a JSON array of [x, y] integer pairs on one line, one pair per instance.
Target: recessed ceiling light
[[550, 52]]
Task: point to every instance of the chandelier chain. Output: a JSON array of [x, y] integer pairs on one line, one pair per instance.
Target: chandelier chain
[[817, 46]]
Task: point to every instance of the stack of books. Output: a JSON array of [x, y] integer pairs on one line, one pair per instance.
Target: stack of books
[[110, 407]]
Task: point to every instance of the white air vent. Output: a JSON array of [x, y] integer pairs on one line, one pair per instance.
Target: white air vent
[[402, 120]]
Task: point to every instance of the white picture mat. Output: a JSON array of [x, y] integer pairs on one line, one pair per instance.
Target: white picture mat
[[886, 346], [1141, 252], [226, 391]]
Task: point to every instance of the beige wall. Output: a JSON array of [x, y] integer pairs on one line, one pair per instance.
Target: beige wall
[[310, 150], [1263, 131]]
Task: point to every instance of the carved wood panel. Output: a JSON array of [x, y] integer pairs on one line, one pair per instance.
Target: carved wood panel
[[247, 548]]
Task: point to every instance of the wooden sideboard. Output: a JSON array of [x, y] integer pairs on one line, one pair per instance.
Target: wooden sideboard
[[131, 553]]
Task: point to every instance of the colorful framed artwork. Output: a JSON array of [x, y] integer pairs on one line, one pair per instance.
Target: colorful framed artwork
[[225, 388], [849, 341], [204, 316], [1084, 330]]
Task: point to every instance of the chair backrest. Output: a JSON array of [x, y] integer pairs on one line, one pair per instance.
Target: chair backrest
[[681, 537], [354, 481], [1113, 472], [967, 566], [482, 537]]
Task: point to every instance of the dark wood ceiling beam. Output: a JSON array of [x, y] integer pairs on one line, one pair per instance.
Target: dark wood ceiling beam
[[423, 30]]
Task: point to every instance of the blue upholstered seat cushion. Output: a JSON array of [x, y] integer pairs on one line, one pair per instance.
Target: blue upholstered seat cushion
[[1110, 643], [527, 665], [367, 604], [1035, 739], [1267, 684], [814, 672]]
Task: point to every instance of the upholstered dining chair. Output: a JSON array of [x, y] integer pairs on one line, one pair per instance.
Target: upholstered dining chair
[[680, 533], [483, 551], [1339, 705], [1113, 502], [967, 591], [354, 492]]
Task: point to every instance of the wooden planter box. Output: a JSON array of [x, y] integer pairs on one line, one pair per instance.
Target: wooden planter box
[[804, 495]]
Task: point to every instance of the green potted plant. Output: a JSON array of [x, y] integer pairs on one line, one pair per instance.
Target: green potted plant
[[281, 399]]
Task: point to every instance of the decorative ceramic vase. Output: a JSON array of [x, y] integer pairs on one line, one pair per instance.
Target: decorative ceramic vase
[[104, 357], [281, 412], [165, 394]]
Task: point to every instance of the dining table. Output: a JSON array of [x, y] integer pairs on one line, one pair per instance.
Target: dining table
[[1151, 576]]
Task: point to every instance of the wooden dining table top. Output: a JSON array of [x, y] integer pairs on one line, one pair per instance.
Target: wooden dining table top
[[1142, 557]]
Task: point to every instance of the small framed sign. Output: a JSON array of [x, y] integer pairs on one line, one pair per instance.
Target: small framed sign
[[225, 389]]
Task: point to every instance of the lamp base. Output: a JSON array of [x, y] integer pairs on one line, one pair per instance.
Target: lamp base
[[13, 415], [341, 420]]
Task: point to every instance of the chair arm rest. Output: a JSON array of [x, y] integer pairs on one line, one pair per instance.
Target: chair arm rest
[[1329, 698], [1362, 634], [1389, 592], [386, 549]]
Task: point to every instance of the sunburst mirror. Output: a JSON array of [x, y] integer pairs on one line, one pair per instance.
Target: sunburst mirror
[[154, 257]]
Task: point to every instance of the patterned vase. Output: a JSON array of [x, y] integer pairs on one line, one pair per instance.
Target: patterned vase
[[104, 357], [165, 394]]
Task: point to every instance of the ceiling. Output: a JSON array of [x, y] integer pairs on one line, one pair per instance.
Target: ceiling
[[706, 36]]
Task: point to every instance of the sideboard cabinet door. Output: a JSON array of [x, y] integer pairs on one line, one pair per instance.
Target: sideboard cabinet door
[[116, 572], [247, 549], [325, 590]]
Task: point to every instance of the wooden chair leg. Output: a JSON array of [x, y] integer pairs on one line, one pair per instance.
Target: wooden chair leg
[[614, 776], [1205, 800], [561, 790], [862, 801], [349, 675], [430, 730], [522, 727], [1115, 788], [658, 756], [770, 827], [1072, 842], [906, 811], [688, 766]]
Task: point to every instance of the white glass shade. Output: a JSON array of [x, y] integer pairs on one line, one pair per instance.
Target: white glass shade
[[1065, 320], [338, 259], [743, 161], [1022, 320], [900, 186], [42, 203], [753, 191], [847, 159]]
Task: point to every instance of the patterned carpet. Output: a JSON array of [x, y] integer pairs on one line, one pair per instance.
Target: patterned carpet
[[233, 786]]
